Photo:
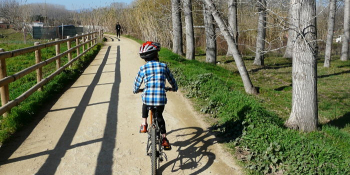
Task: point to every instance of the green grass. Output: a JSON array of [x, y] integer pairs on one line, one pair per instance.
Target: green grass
[[275, 82], [26, 111], [252, 126]]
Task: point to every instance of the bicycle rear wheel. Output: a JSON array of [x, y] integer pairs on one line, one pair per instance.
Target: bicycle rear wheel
[[153, 151]]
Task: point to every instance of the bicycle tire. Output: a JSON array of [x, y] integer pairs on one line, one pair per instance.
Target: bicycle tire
[[153, 151]]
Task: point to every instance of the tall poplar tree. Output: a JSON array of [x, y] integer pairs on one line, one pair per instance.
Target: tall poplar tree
[[260, 39], [210, 36], [330, 31], [304, 114], [190, 45], [177, 27], [232, 22], [346, 37], [291, 30]]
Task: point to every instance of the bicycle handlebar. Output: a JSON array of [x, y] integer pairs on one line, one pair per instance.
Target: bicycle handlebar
[[166, 89]]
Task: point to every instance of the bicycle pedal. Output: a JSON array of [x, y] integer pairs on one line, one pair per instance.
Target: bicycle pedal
[[167, 148]]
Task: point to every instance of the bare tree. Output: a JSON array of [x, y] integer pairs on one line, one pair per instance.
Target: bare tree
[[346, 38], [291, 31], [331, 19], [177, 27], [210, 36], [190, 47], [232, 21], [248, 86], [304, 114], [9, 9], [260, 39]]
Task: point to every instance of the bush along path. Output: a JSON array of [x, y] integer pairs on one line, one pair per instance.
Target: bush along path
[[256, 136]]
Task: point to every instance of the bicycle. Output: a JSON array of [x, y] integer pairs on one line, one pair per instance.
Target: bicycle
[[154, 147]]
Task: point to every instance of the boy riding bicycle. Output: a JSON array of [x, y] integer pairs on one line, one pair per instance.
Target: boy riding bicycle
[[154, 74]]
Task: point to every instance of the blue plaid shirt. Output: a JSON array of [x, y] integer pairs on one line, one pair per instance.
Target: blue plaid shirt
[[155, 75]]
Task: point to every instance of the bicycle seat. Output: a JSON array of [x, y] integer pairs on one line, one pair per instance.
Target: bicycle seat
[[151, 107]]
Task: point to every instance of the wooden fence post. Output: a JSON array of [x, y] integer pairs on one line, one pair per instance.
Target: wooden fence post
[[100, 36], [39, 72], [69, 45], [91, 38], [83, 40], [4, 90], [58, 51], [77, 43], [87, 39], [95, 35]]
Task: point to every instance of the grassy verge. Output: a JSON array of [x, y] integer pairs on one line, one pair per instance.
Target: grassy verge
[[27, 110], [252, 126]]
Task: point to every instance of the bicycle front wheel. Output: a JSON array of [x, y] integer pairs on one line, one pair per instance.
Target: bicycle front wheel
[[153, 151]]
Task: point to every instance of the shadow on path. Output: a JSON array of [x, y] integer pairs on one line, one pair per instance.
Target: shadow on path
[[191, 152], [105, 157], [64, 143]]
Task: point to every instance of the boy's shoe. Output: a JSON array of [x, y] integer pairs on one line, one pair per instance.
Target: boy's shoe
[[143, 128], [166, 144]]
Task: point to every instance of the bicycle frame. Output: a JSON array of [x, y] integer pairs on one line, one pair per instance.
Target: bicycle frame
[[154, 147]]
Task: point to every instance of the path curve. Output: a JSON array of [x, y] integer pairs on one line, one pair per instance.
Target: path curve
[[93, 128]]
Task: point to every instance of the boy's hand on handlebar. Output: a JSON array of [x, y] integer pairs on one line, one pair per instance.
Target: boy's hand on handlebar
[[166, 89], [169, 89]]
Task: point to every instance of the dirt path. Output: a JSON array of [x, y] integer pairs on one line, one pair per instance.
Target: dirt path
[[93, 128]]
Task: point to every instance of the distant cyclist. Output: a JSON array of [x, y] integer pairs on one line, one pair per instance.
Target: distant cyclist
[[154, 74]]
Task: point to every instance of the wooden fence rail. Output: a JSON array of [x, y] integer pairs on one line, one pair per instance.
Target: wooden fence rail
[[89, 39]]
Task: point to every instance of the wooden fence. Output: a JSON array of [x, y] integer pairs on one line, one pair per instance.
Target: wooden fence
[[89, 40]]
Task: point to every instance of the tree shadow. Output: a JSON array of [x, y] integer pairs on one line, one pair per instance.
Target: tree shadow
[[272, 67], [192, 152], [343, 66], [228, 61], [283, 87], [329, 75], [341, 122]]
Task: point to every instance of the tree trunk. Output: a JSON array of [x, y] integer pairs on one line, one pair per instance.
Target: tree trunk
[[190, 51], [292, 30], [331, 19], [177, 27], [248, 86], [233, 22], [304, 114], [260, 40], [210, 36], [345, 39]]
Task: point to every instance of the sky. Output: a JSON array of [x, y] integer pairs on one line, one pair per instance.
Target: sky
[[77, 4]]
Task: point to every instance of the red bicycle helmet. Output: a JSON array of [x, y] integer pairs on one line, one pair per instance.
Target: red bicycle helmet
[[149, 50]]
